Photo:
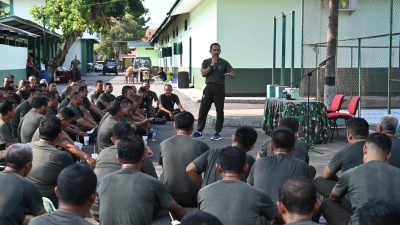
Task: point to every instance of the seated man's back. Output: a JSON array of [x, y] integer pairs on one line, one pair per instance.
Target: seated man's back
[[231, 200], [48, 161], [374, 180], [76, 189], [19, 195], [366, 182], [129, 196], [271, 172], [176, 153]]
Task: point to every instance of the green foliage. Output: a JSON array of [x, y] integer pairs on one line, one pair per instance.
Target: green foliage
[[344, 3], [114, 39], [73, 16]]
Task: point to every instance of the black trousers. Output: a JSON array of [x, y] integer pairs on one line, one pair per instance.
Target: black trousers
[[212, 93], [324, 186], [336, 213]]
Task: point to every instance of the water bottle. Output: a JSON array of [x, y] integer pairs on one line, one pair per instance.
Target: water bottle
[[154, 136]]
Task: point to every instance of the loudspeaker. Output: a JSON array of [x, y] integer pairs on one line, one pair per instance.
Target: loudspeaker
[[183, 79]]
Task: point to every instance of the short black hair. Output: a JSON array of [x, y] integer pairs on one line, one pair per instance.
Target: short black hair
[[136, 98], [49, 128], [39, 101], [74, 95], [68, 91], [245, 136], [18, 155], [66, 113], [198, 217], [130, 150], [33, 91], [52, 96], [125, 89], [298, 195], [122, 130], [214, 44], [42, 85], [358, 127], [231, 159], [381, 142], [76, 183], [290, 123], [284, 138], [9, 88], [114, 108], [378, 212], [5, 107], [184, 120], [82, 89], [126, 102]]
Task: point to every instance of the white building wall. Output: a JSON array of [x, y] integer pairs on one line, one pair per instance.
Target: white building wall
[[202, 27], [13, 58], [76, 48], [22, 8], [245, 31]]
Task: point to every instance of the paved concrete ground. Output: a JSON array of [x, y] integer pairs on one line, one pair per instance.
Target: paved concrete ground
[[240, 109]]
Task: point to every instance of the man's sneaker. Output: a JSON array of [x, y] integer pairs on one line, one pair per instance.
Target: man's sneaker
[[216, 137], [197, 134]]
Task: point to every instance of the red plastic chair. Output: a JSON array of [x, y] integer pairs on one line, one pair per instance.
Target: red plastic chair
[[351, 112], [336, 103]]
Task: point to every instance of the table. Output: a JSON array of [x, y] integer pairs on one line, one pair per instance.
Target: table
[[277, 108]]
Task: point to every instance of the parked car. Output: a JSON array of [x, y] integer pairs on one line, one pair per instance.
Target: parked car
[[98, 66], [90, 67], [110, 66]]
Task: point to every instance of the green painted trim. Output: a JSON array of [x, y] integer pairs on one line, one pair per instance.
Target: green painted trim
[[84, 56], [20, 74], [247, 82], [11, 7]]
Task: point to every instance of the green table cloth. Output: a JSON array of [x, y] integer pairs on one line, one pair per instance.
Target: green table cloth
[[277, 108]]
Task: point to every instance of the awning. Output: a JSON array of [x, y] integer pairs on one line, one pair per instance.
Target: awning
[[31, 27], [12, 31]]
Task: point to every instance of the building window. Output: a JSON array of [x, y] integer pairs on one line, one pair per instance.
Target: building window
[[186, 25]]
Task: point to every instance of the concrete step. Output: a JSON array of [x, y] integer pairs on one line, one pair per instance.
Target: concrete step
[[238, 117]]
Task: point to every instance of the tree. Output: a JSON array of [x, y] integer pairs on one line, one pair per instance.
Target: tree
[[331, 48], [74, 17], [114, 40]]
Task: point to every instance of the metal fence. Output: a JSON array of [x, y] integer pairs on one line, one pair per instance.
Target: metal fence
[[367, 61]]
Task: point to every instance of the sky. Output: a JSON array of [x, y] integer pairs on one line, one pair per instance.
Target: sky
[[157, 11]]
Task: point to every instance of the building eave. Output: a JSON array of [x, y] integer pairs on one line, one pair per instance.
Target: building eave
[[29, 26], [178, 8]]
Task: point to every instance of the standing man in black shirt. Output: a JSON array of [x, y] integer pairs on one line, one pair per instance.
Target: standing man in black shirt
[[214, 69]]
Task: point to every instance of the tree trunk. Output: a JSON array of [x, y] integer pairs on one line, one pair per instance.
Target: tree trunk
[[330, 70], [62, 52]]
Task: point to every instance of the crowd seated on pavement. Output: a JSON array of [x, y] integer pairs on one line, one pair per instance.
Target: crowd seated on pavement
[[41, 136]]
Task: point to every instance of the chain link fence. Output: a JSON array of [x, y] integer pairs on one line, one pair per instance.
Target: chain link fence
[[363, 54]]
